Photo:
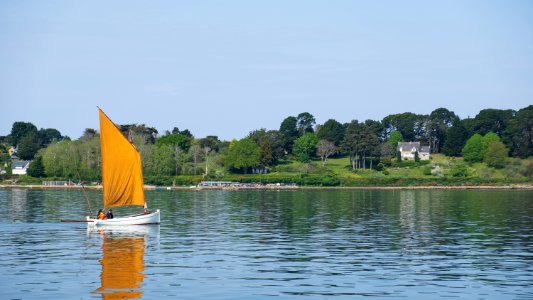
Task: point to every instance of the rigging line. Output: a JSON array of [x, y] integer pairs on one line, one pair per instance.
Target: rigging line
[[85, 195]]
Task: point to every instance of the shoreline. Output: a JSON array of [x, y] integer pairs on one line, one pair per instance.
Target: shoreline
[[288, 188]]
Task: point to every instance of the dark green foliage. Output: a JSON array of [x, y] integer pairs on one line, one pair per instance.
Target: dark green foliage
[[376, 127], [440, 120], [455, 140], [305, 123], [149, 134], [186, 180], [88, 134], [158, 180], [36, 168], [332, 131], [28, 146], [211, 142], [520, 132], [494, 120], [289, 133], [405, 123], [20, 130], [270, 143], [360, 141], [49, 135]]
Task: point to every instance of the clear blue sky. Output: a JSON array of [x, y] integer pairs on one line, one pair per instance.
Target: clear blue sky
[[228, 67]]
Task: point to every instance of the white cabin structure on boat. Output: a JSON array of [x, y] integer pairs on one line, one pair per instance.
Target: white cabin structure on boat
[[408, 150]]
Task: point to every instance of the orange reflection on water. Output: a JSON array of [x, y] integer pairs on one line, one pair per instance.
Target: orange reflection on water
[[122, 265]]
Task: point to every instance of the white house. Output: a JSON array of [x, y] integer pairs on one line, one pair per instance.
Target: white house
[[408, 150], [20, 167]]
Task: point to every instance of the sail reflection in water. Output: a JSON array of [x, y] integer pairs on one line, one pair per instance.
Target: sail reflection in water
[[122, 260]]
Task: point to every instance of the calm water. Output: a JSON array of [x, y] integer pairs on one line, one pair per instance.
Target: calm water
[[265, 244]]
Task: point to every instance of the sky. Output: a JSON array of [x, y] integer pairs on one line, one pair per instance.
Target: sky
[[226, 68]]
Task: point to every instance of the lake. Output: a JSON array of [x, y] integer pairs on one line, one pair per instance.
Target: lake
[[320, 244]]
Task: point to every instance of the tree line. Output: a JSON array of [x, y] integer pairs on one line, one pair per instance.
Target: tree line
[[490, 136]]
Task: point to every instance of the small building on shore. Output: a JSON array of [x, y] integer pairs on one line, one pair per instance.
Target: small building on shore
[[408, 150], [20, 167]]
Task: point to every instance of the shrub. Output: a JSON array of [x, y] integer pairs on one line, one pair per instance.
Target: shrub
[[527, 169], [459, 170], [427, 170]]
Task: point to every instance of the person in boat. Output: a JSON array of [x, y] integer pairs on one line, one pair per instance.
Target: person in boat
[[101, 215], [109, 214]]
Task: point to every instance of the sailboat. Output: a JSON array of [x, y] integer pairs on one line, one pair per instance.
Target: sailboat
[[122, 178]]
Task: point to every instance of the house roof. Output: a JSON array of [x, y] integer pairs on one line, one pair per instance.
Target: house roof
[[21, 164], [408, 146]]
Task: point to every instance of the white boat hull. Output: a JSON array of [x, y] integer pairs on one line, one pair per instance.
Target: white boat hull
[[143, 219]]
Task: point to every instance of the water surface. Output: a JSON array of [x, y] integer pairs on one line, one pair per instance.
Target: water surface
[[415, 244]]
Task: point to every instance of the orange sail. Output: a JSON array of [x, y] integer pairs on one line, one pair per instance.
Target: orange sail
[[122, 177]]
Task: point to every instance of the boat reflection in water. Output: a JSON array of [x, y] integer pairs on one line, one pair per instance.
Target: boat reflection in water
[[123, 259]]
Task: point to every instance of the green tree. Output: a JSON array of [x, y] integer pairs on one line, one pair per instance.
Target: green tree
[[305, 123], [36, 168], [332, 131], [488, 138], [29, 145], [394, 138], [88, 134], [271, 144], [377, 128], [62, 159], [527, 169], [305, 147], [173, 139], [520, 132], [492, 120], [20, 130], [455, 140], [148, 134], [50, 135], [473, 149], [360, 141], [242, 155], [161, 161], [440, 120], [289, 132], [404, 123], [89, 151], [496, 155]]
